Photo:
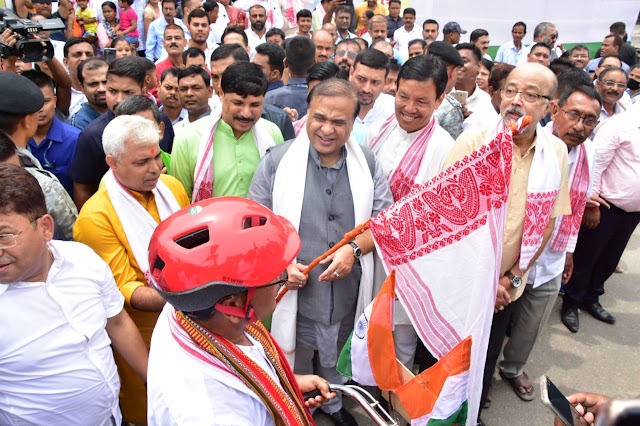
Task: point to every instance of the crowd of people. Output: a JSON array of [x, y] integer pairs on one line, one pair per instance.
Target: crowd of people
[[162, 177]]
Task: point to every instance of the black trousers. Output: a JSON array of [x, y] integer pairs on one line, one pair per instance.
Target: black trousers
[[496, 338], [597, 254]]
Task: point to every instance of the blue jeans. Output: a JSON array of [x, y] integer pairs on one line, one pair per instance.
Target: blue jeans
[[131, 39]]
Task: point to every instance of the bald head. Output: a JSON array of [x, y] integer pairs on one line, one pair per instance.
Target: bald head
[[331, 29], [324, 45], [542, 74], [528, 91]]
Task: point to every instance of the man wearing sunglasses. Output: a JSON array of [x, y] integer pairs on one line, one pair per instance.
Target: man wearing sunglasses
[[346, 52]]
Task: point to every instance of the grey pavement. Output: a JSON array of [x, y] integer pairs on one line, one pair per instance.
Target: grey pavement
[[599, 358]]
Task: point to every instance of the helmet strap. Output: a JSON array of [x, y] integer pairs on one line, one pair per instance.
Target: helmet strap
[[247, 312]]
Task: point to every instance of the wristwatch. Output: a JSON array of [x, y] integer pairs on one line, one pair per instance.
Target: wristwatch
[[515, 280], [357, 251]]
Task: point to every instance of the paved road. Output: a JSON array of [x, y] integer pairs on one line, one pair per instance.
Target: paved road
[[599, 358]]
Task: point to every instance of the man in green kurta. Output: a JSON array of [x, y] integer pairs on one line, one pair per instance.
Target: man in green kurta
[[218, 156]]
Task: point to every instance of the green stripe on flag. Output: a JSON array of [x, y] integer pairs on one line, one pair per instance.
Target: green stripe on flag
[[344, 365], [458, 418]]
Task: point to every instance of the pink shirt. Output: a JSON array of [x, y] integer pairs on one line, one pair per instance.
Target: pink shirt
[[126, 16], [616, 175]]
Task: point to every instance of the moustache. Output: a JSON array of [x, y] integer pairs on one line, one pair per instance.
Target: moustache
[[244, 119], [514, 110], [173, 45], [613, 92], [579, 135]]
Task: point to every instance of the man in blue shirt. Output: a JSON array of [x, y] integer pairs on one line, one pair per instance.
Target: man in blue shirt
[[394, 21], [54, 143], [300, 56], [156, 29], [92, 75]]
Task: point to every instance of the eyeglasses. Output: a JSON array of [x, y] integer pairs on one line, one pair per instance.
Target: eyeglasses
[[530, 97], [588, 121], [10, 240], [350, 55], [553, 36], [609, 84], [280, 280]]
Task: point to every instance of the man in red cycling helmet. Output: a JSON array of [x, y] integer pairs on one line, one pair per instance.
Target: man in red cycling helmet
[[219, 263]]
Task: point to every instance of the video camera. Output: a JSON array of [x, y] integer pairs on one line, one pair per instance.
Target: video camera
[[28, 48]]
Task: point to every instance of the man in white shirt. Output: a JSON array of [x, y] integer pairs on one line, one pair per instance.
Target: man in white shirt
[[420, 90], [56, 363], [343, 23], [480, 38], [478, 102], [256, 33], [611, 85], [76, 50], [378, 33], [194, 90], [403, 35], [319, 13], [609, 222], [198, 23], [544, 32], [274, 10], [367, 76], [412, 148]]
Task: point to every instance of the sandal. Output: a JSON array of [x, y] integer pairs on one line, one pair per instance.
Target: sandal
[[521, 385]]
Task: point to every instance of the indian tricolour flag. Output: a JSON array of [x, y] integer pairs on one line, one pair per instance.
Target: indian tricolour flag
[[442, 245]]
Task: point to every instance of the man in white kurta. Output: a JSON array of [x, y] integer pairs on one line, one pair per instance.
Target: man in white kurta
[[220, 396], [412, 148]]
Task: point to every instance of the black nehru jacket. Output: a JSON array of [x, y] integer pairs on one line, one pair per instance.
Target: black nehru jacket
[[89, 164]]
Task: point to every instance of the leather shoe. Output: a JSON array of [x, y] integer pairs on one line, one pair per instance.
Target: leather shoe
[[570, 319], [599, 313], [343, 418]]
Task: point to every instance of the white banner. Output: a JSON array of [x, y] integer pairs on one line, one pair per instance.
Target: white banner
[[578, 21]]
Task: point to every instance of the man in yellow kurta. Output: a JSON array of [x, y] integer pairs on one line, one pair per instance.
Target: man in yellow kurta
[[118, 221], [373, 5], [538, 194]]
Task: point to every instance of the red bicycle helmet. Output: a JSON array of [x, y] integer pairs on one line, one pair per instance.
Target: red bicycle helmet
[[218, 247]]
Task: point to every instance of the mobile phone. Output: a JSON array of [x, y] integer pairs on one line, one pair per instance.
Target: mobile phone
[[558, 403], [109, 54], [460, 96], [620, 413]]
